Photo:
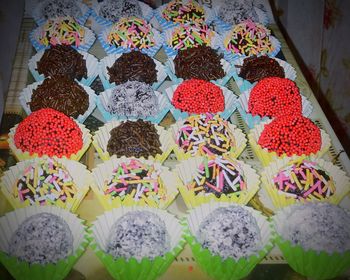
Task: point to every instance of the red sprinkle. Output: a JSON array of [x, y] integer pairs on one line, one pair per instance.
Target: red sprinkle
[[293, 135], [198, 96], [48, 132], [275, 97]]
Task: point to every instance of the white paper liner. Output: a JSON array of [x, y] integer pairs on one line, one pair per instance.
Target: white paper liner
[[103, 225], [23, 155], [109, 60], [230, 103], [104, 97], [239, 139], [91, 65], [266, 157], [27, 92], [281, 199], [80, 175], [251, 120], [103, 172], [40, 19], [88, 40], [289, 73], [101, 137]]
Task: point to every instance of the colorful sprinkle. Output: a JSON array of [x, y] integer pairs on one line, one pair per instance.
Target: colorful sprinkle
[[183, 12]]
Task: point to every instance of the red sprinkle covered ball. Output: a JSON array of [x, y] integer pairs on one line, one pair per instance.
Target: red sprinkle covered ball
[[48, 132], [275, 97], [293, 135], [198, 96]]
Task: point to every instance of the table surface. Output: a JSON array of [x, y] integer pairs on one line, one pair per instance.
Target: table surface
[[89, 267]]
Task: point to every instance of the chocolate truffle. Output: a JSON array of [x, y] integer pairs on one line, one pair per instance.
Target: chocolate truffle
[[60, 8], [113, 10]]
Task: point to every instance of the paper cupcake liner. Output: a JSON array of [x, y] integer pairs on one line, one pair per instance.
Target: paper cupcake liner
[[147, 269], [91, 65], [89, 39], [230, 103], [80, 175], [188, 168], [252, 120], [26, 96], [310, 263], [40, 20], [101, 137], [103, 172], [112, 49], [234, 152], [24, 155], [244, 85], [266, 157], [103, 99], [280, 200], [109, 60], [170, 69], [214, 265], [22, 270]]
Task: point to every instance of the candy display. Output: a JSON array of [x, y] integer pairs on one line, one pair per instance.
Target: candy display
[[51, 9], [134, 139], [133, 66], [131, 32], [138, 234], [198, 96], [179, 11], [48, 132], [62, 94], [205, 134], [62, 60], [201, 62], [230, 232], [114, 10], [275, 97], [41, 239], [256, 68], [248, 38], [292, 135]]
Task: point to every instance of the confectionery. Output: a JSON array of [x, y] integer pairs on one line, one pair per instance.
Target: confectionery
[[42, 239], [62, 60], [60, 8], [139, 180], [138, 234], [131, 32], [62, 94], [230, 232], [275, 97], [220, 176], [291, 135], [197, 96], [113, 10], [133, 99], [319, 227], [134, 139], [201, 62], [45, 183], [179, 11], [256, 68], [133, 66], [62, 31], [248, 38], [48, 132], [205, 134], [304, 179]]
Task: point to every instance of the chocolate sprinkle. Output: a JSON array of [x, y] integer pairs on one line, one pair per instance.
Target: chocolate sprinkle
[[198, 63], [133, 66]]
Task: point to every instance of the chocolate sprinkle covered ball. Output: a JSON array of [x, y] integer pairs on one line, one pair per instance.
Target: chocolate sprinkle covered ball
[[256, 68], [60, 8], [62, 60], [134, 139], [133, 66], [113, 10], [62, 94], [198, 63], [41, 239]]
